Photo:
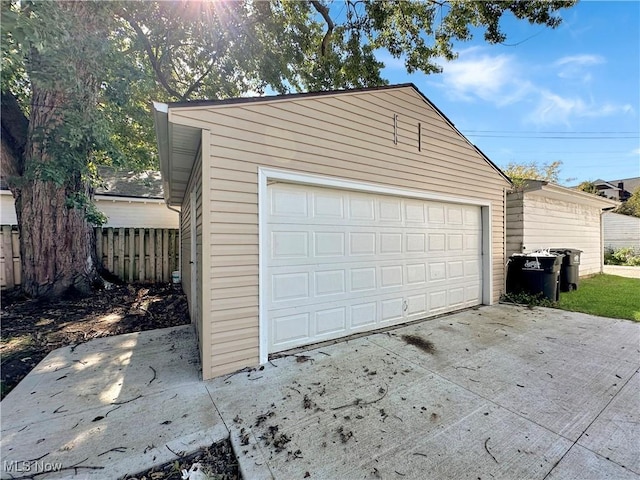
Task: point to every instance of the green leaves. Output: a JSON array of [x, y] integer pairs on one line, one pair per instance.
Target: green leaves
[[110, 59], [519, 173]]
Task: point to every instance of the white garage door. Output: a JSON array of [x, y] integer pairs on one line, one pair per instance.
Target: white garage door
[[341, 262]]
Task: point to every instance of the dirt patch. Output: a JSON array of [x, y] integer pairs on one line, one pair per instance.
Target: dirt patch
[[31, 328], [419, 342], [217, 461]]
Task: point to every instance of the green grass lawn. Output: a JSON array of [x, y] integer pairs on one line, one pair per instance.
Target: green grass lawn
[[606, 296]]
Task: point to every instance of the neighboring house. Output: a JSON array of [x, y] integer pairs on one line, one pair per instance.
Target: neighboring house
[[314, 216], [619, 190], [545, 215], [621, 231], [128, 199]]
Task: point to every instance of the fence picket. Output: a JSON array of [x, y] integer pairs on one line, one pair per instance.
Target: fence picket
[[132, 254], [120, 271]]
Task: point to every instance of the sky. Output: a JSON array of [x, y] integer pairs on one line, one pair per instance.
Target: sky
[[570, 94]]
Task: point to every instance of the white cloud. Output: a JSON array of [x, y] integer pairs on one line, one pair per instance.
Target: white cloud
[[580, 60], [576, 67], [477, 75], [504, 80], [555, 109], [635, 152]]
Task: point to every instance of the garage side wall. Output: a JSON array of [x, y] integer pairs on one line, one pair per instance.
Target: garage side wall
[[348, 136], [550, 223], [194, 297]]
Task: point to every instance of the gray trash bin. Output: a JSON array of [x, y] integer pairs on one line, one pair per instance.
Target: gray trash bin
[[570, 270]]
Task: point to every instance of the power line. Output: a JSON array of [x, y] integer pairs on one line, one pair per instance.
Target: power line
[[552, 137], [537, 132]]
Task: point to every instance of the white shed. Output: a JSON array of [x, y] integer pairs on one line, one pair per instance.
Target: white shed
[[545, 215], [621, 231], [128, 199], [315, 216]]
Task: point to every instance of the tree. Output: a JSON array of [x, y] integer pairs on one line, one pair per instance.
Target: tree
[[631, 206], [78, 78], [519, 173], [588, 187]]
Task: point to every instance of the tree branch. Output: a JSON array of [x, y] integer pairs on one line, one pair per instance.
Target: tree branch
[[152, 57], [15, 126], [324, 11], [199, 81]]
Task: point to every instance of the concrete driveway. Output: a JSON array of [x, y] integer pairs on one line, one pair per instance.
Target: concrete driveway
[[497, 392]]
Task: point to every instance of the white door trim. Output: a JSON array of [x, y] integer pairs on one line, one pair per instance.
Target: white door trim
[[267, 175]]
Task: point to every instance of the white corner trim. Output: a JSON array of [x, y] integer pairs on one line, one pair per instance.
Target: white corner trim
[[263, 324], [487, 255], [269, 174]]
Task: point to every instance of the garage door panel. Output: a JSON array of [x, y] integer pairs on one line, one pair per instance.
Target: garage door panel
[[342, 262], [332, 320], [362, 243], [286, 244], [288, 203], [290, 286], [329, 207], [330, 282], [363, 314], [416, 273], [328, 244]]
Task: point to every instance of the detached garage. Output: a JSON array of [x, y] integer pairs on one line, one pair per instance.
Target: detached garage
[[311, 217], [544, 215]]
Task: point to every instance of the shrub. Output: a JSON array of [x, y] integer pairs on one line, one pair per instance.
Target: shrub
[[622, 256], [523, 298]]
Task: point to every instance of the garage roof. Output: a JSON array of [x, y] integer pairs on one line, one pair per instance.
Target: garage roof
[[178, 143], [551, 190]]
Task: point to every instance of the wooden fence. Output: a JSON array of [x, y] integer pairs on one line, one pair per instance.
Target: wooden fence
[[132, 254]]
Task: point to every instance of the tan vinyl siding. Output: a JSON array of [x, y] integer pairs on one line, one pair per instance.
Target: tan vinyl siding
[[551, 223], [187, 216], [621, 231], [350, 137]]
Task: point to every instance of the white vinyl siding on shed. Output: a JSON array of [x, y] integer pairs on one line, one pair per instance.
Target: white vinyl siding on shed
[[515, 223], [121, 212], [347, 136], [552, 223], [621, 231]]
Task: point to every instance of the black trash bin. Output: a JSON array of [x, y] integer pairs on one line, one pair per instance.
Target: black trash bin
[[570, 270], [541, 274], [515, 277]]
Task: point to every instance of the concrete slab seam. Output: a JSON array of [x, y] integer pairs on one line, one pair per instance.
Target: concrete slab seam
[[587, 428]]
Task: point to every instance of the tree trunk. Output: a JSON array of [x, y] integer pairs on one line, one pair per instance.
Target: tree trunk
[[57, 245], [49, 184]]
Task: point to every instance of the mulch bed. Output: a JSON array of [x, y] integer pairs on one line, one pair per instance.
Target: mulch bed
[[31, 328], [217, 462]]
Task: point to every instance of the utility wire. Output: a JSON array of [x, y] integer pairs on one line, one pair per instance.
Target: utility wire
[[552, 137]]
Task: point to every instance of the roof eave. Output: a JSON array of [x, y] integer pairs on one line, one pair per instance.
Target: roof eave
[[583, 197], [161, 122]]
